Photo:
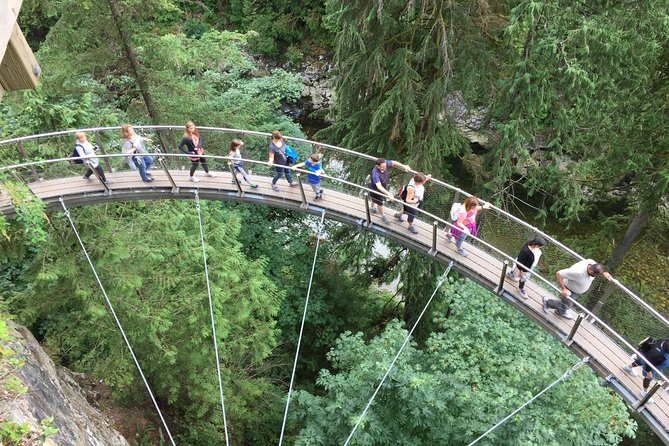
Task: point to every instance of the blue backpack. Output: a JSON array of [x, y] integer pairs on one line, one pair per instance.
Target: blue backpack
[[291, 155]]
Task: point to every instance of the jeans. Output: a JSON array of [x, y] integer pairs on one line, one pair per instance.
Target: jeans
[[563, 304], [460, 239], [280, 171], [143, 162]]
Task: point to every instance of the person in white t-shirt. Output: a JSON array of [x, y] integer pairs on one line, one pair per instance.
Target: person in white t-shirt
[[573, 282], [413, 197], [86, 151]]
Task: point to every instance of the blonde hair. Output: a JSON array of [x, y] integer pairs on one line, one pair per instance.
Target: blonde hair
[[80, 135], [187, 133], [125, 130]]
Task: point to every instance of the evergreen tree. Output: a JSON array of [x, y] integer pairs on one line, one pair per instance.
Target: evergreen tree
[[481, 364]]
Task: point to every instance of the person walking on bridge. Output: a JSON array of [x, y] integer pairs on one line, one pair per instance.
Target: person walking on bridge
[[133, 145], [573, 282], [379, 184], [191, 143], [279, 159], [527, 261], [465, 222], [86, 151], [658, 356]]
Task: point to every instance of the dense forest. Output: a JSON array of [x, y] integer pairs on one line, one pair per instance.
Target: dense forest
[[575, 104]]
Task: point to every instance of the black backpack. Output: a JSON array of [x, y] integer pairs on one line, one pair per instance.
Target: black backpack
[[647, 344], [76, 155]]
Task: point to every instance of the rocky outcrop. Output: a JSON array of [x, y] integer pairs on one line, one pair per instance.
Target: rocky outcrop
[[53, 392]]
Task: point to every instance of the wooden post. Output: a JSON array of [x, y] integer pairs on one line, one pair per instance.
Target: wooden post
[[367, 212], [175, 188], [502, 278], [435, 227], [304, 204], [570, 337], [240, 192], [644, 400], [97, 175]]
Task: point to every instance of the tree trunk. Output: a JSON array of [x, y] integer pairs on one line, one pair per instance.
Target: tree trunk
[[154, 115], [633, 230]]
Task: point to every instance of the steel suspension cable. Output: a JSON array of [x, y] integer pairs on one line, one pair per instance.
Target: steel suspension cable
[[116, 319], [211, 313], [442, 279], [565, 375], [304, 316]]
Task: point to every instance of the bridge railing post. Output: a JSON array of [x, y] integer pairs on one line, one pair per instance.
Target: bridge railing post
[[644, 399], [569, 339], [98, 141], [304, 204], [175, 188], [240, 192], [435, 228], [97, 175], [500, 286], [367, 211]]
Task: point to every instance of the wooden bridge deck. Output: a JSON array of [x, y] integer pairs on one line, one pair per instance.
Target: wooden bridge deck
[[606, 356]]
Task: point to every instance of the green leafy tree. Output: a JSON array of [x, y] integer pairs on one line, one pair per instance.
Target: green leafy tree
[[483, 363], [154, 275]]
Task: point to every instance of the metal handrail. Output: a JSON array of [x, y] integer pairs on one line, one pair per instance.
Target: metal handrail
[[506, 214], [549, 284]]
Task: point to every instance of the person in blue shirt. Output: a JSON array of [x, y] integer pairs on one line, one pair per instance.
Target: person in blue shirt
[[315, 171], [658, 355]]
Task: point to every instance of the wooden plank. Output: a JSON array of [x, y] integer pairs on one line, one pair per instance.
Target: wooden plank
[[17, 69], [9, 12]]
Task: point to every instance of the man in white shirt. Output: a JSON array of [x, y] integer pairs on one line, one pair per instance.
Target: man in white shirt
[[573, 282]]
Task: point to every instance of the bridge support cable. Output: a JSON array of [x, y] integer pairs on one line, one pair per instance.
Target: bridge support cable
[[304, 316], [211, 313], [565, 375], [442, 279], [116, 319]]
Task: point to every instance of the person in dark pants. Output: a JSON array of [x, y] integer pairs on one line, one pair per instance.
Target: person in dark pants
[[413, 197], [191, 143], [278, 159], [658, 355], [573, 282], [379, 184], [86, 151], [527, 261]]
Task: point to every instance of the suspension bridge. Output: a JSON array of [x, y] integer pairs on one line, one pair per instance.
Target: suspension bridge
[[601, 332]]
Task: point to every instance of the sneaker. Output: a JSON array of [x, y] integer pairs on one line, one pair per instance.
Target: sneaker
[[413, 229], [108, 182], [275, 189], [373, 210], [643, 393], [194, 179], [462, 252], [233, 182], [565, 314], [630, 371], [523, 293], [254, 186], [450, 238], [399, 216], [148, 180], [87, 178], [385, 219], [317, 197], [512, 276], [212, 174], [545, 304], [293, 184]]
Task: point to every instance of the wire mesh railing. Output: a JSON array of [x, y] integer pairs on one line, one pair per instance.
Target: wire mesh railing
[[613, 307]]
